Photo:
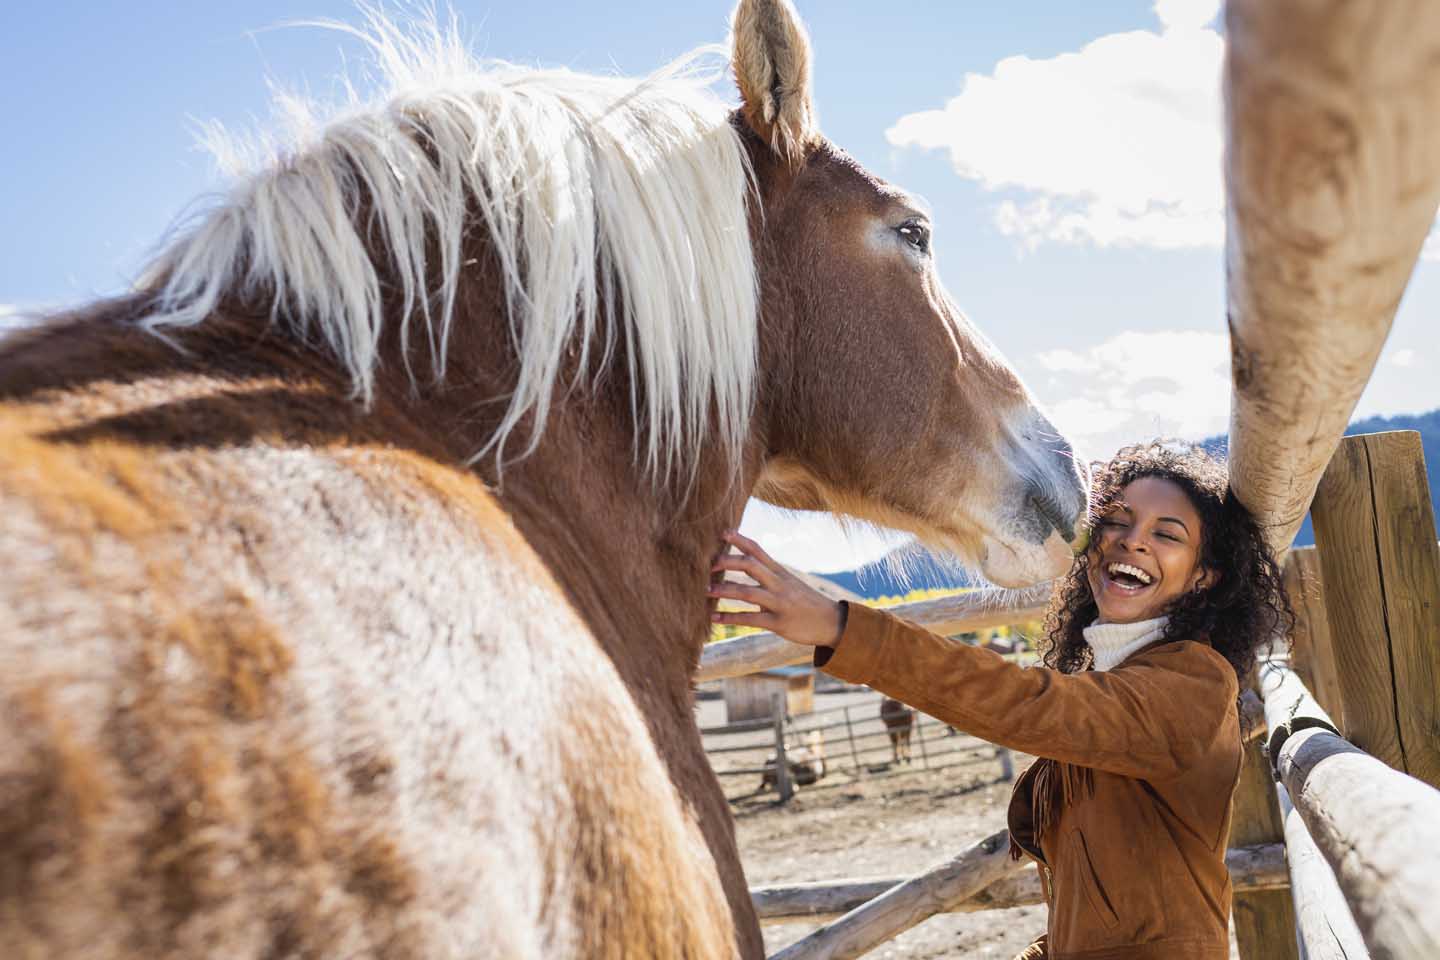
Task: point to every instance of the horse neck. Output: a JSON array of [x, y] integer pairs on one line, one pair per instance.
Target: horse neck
[[636, 565], [632, 556], [634, 562]]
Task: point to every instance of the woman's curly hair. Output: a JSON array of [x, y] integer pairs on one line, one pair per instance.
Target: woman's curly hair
[[1243, 610]]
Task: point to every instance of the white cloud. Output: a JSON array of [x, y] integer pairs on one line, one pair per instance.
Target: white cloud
[[1138, 386], [1118, 143], [1404, 357]]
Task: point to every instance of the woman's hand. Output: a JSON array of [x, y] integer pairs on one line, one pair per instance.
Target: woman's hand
[[788, 606]]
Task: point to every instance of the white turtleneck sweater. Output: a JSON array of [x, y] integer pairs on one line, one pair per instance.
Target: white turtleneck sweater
[[1113, 642]]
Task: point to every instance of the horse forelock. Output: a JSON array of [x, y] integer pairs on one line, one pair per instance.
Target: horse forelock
[[616, 210]]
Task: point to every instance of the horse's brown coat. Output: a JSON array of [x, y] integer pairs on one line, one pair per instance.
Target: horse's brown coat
[[281, 676]]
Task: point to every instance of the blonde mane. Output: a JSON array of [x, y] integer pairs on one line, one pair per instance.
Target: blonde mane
[[616, 208]]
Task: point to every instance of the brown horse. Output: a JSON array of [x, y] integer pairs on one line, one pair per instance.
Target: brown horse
[[899, 720], [433, 424]]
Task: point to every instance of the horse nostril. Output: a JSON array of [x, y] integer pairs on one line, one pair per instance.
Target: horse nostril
[[1049, 508]]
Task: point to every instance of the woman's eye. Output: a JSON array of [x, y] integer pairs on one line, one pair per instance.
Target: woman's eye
[[915, 233]]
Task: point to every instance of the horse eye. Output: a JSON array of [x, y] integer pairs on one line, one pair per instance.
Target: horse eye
[[916, 233]]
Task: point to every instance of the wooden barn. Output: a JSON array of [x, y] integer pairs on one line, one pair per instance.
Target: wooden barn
[[748, 697]]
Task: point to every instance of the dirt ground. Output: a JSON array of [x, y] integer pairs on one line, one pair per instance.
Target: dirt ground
[[886, 827], [875, 822], [860, 824]]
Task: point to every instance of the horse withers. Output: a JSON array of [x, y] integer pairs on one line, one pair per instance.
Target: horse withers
[[357, 558]]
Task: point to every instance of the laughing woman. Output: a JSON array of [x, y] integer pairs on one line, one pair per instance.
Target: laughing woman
[[1134, 715]]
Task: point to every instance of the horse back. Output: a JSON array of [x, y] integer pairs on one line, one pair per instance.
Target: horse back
[[271, 692]]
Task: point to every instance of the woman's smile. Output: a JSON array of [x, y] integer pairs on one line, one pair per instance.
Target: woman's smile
[[1127, 578]]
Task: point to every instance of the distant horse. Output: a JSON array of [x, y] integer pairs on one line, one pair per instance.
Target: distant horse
[[899, 720], [355, 562]]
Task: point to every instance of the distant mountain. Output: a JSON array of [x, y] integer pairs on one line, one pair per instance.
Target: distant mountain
[[908, 569], [1426, 424], [898, 572]]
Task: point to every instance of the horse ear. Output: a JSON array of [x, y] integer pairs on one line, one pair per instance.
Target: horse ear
[[771, 56]]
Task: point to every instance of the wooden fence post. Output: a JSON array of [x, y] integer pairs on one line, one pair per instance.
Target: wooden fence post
[[920, 735], [1376, 532], [1264, 919], [783, 786], [850, 732], [1312, 655], [1007, 763]]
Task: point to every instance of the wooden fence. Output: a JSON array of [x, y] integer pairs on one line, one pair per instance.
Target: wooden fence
[[1345, 857], [856, 745], [1352, 725]]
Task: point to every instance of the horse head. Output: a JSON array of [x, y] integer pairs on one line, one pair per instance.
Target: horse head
[[878, 399]]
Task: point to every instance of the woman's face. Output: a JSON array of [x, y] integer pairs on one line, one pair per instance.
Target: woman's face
[[1146, 552]]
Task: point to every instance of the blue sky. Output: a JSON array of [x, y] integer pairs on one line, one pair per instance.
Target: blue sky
[[1069, 150]]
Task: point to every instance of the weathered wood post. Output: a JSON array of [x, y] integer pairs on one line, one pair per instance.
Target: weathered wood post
[[1375, 529], [1312, 654], [920, 735], [850, 732], [783, 786], [1007, 763], [1264, 920]]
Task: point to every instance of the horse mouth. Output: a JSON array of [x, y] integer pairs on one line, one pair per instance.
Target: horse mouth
[[1009, 564]]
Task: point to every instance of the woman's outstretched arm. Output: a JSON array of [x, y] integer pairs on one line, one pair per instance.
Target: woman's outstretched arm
[[1151, 719]]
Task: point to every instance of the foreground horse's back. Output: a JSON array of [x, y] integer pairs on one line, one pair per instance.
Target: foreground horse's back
[[269, 688]]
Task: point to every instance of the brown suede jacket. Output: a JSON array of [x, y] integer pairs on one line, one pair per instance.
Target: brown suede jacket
[[1129, 817]]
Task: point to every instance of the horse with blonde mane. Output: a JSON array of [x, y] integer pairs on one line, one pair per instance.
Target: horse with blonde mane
[[433, 423]]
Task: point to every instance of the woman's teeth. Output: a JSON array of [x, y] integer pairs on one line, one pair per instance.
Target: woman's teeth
[[1127, 570]]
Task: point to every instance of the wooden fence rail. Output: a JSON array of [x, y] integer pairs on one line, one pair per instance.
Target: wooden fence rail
[[1322, 917], [1377, 828], [976, 610], [1317, 261], [900, 908], [1261, 867]]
